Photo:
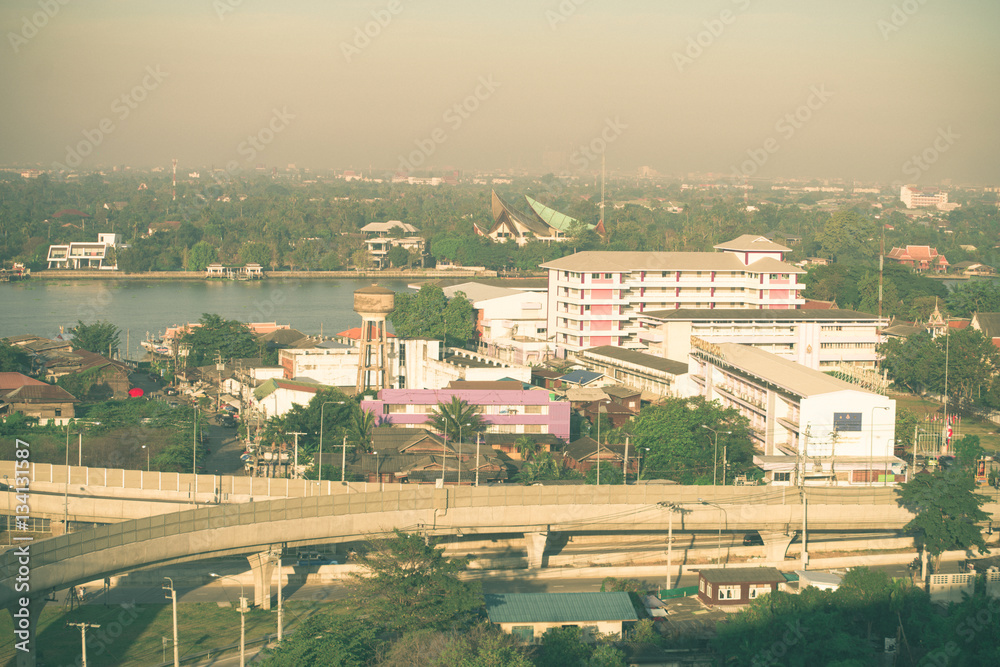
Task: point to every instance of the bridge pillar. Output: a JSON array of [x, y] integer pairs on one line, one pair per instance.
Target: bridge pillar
[[262, 565], [775, 544], [26, 631], [535, 543]]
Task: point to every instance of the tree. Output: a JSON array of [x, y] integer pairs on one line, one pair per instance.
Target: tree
[[100, 337], [610, 474], [913, 363], [456, 419], [682, 450], [360, 433], [398, 256], [563, 647], [429, 314], [409, 584], [967, 451], [459, 320], [848, 235], [329, 638], [255, 253], [947, 510], [974, 297], [527, 448], [201, 255], [228, 339], [13, 359]]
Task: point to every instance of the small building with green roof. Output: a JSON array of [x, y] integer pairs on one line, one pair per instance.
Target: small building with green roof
[[527, 616]]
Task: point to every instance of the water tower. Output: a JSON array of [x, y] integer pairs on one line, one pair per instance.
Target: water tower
[[373, 304]]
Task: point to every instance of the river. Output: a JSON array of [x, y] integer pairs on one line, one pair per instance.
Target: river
[[138, 307]]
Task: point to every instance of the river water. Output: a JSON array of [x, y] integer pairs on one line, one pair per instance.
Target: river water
[[138, 307]]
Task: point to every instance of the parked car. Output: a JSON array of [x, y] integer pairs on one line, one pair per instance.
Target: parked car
[[308, 558], [752, 539], [230, 409]]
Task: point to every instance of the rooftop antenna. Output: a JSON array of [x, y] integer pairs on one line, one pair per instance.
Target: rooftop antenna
[[175, 179], [603, 174]]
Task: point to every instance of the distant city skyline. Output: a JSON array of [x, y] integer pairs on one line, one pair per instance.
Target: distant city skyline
[[890, 92]]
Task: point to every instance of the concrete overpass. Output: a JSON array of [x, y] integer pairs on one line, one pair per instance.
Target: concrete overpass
[[534, 511]]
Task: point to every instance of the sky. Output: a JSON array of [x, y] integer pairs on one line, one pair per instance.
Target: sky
[[869, 90]]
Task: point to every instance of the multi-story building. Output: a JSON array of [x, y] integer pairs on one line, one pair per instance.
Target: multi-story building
[[86, 255], [919, 258], [505, 407], [381, 237], [806, 424], [914, 197], [597, 298], [818, 339]]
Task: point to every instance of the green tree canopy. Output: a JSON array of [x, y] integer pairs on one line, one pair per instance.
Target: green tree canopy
[[329, 639], [100, 337], [947, 510], [202, 254], [409, 584], [681, 449], [429, 314], [219, 337], [13, 359], [398, 256]]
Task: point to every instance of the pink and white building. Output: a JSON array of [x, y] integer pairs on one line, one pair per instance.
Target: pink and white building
[[597, 298], [504, 406]]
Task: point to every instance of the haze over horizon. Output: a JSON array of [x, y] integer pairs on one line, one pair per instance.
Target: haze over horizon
[[756, 88]]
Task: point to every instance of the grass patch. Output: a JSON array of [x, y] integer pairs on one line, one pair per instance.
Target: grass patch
[[134, 635], [987, 431]]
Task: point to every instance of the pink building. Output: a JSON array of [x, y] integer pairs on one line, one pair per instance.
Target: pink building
[[596, 298], [505, 406]]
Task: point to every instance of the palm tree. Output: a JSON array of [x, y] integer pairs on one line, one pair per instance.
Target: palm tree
[[527, 448], [456, 419], [362, 423]]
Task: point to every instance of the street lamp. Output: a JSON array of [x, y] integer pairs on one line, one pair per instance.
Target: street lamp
[[479, 437], [173, 602], [460, 452], [295, 463], [641, 458], [726, 514], [715, 458], [670, 507], [871, 440], [243, 616], [377, 475], [146, 447], [194, 448], [319, 464]]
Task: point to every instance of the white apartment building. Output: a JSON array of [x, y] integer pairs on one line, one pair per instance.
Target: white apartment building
[[415, 363], [597, 298], [914, 197], [804, 423], [817, 339], [381, 237], [85, 255]]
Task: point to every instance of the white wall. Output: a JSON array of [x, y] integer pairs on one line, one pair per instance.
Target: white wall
[[878, 424]]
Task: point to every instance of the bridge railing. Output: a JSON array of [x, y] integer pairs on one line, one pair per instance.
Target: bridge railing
[[60, 548]]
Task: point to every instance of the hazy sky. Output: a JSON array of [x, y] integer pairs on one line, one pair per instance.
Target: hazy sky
[[845, 88]]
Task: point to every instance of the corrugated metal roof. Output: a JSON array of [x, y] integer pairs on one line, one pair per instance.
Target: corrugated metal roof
[[742, 575], [559, 607]]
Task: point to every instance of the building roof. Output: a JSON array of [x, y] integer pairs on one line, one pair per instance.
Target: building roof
[[552, 217], [10, 380], [373, 289], [581, 377], [44, 393], [749, 314], [494, 385], [390, 226], [355, 334], [585, 394], [476, 291], [501, 208], [627, 261], [742, 575], [988, 323], [785, 373], [752, 243], [640, 358], [397, 439], [268, 387], [559, 607], [617, 391]]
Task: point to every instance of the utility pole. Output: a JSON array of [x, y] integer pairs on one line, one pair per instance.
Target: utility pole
[[802, 490], [281, 611], [479, 437], [83, 637], [173, 602], [671, 508], [295, 465]]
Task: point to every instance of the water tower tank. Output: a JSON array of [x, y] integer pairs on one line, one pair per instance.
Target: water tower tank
[[374, 302]]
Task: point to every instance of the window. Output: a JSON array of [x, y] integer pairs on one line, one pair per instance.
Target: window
[[782, 477], [58, 412], [729, 592], [523, 633], [757, 590]]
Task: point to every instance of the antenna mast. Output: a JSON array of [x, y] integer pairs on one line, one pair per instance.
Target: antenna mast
[[175, 179]]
